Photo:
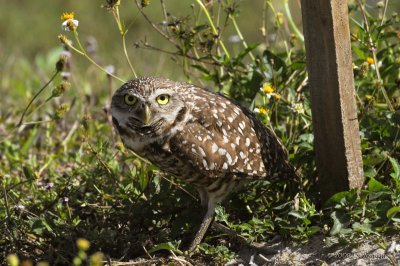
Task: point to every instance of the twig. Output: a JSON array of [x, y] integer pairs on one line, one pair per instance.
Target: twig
[[384, 12], [302, 84], [154, 25], [180, 260], [200, 60], [37, 122], [178, 186], [70, 133], [164, 9], [147, 253], [134, 263], [99, 158]]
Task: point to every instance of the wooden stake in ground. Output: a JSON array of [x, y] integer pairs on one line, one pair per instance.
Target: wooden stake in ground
[[329, 62]]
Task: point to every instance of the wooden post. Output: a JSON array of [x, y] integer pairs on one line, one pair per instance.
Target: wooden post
[[330, 72]]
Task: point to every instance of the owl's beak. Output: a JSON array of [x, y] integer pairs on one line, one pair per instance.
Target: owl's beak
[[145, 114]]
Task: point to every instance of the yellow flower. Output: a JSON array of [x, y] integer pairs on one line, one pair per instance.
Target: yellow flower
[[97, 259], [12, 260], [82, 244], [69, 23], [277, 96], [67, 16], [267, 88], [261, 110], [370, 60]]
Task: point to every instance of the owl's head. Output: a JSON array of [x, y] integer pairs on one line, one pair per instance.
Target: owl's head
[[147, 106]]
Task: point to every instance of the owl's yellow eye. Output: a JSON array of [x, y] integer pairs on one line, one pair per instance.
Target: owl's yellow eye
[[162, 99], [130, 99]]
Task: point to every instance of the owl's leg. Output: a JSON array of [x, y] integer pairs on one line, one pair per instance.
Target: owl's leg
[[204, 224], [203, 196]]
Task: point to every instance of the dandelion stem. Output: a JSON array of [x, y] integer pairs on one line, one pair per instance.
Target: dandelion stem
[[83, 52], [123, 33], [34, 97], [127, 55]]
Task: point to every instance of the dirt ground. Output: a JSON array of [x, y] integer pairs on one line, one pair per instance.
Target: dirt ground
[[315, 252]]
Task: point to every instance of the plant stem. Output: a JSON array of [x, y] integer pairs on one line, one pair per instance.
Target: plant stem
[[123, 33], [34, 97], [127, 56], [83, 52], [214, 30], [291, 22], [239, 33], [373, 51], [384, 12], [168, 38]]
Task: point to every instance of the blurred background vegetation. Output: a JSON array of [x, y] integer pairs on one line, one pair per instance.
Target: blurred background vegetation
[[69, 177]]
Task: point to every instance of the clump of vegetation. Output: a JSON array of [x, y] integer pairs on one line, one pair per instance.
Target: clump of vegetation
[[65, 176]]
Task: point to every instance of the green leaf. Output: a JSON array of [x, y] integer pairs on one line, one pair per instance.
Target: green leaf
[[29, 142], [392, 212], [340, 221], [376, 157], [201, 27], [396, 169], [282, 206], [166, 246], [360, 53], [362, 227], [313, 230], [376, 186], [275, 61], [369, 171], [342, 197], [246, 51], [201, 69], [382, 207], [297, 214], [40, 226], [28, 172]]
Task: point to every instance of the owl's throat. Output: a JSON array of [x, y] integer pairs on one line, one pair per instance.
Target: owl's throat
[[134, 126]]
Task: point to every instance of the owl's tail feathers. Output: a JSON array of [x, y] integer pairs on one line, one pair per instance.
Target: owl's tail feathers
[[288, 172], [287, 178]]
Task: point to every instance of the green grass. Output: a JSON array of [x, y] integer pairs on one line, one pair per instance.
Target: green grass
[[66, 176]]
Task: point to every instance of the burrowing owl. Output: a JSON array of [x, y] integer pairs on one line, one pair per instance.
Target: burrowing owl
[[197, 135]]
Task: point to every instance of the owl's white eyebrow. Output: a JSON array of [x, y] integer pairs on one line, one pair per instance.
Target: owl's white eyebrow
[[164, 91]]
